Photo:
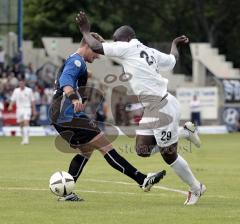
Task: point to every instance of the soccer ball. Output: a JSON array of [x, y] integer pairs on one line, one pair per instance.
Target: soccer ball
[[61, 183]]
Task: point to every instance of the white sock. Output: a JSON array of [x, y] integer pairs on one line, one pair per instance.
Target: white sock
[[25, 133], [182, 133], [182, 169], [22, 133]]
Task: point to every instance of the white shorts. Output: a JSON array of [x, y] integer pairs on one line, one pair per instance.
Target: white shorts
[[165, 126], [23, 114]]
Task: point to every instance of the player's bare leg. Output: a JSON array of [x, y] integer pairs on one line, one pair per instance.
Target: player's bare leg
[[182, 169], [145, 144]]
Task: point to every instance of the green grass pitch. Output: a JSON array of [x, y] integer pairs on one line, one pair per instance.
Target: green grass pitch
[[111, 197]]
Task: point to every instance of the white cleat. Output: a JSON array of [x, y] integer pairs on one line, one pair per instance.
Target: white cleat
[[193, 135], [193, 197], [24, 142]]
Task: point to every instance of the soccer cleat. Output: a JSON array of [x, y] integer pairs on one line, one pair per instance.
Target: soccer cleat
[[193, 197], [151, 179], [70, 197], [24, 142], [193, 135]]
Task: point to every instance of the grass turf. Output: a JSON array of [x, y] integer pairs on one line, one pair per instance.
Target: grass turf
[[25, 198]]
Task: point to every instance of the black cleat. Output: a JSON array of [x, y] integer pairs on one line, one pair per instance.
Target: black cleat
[[151, 179], [70, 197]]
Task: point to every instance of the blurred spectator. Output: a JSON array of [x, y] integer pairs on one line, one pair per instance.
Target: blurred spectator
[[101, 113], [119, 112], [12, 80], [195, 108], [30, 76], [48, 94], [37, 95], [2, 60], [17, 58], [18, 70], [1, 114], [48, 77]]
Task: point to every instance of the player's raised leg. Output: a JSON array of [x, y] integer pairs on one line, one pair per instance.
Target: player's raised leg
[[182, 169], [167, 139], [189, 132]]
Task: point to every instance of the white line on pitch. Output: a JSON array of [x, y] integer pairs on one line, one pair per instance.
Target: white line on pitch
[[126, 183], [115, 182], [83, 191]]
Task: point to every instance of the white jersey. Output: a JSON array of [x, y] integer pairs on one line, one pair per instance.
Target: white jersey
[[23, 98], [144, 64]]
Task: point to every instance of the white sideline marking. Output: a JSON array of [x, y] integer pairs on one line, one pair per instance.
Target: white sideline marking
[[104, 181], [92, 180], [126, 183], [83, 191], [102, 192]]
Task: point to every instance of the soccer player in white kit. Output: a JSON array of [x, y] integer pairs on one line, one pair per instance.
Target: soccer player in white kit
[[144, 65], [24, 99]]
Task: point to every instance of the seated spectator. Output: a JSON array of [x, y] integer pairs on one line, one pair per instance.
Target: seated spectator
[[12, 80], [30, 76], [48, 95]]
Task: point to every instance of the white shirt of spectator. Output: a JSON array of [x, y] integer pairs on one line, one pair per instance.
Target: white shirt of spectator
[[48, 92], [1, 108], [195, 106], [23, 98], [144, 64]]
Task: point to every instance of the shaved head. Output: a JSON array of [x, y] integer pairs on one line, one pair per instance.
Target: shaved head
[[124, 33]]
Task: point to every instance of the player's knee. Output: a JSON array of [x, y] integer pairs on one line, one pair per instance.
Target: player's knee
[[169, 153], [142, 151]]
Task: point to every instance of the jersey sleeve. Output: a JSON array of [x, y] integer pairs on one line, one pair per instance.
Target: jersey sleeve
[[166, 62], [70, 73], [115, 49], [14, 96]]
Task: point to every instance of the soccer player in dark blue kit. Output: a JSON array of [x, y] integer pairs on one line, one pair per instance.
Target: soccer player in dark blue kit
[[81, 132]]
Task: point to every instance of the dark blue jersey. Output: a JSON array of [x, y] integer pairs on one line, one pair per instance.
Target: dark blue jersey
[[73, 73]]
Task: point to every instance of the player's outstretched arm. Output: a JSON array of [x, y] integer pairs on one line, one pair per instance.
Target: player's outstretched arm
[[84, 27], [176, 42]]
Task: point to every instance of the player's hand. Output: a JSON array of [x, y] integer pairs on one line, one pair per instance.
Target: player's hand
[[78, 106], [83, 22], [181, 40]]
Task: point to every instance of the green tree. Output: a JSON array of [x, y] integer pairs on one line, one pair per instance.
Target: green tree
[[214, 21]]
